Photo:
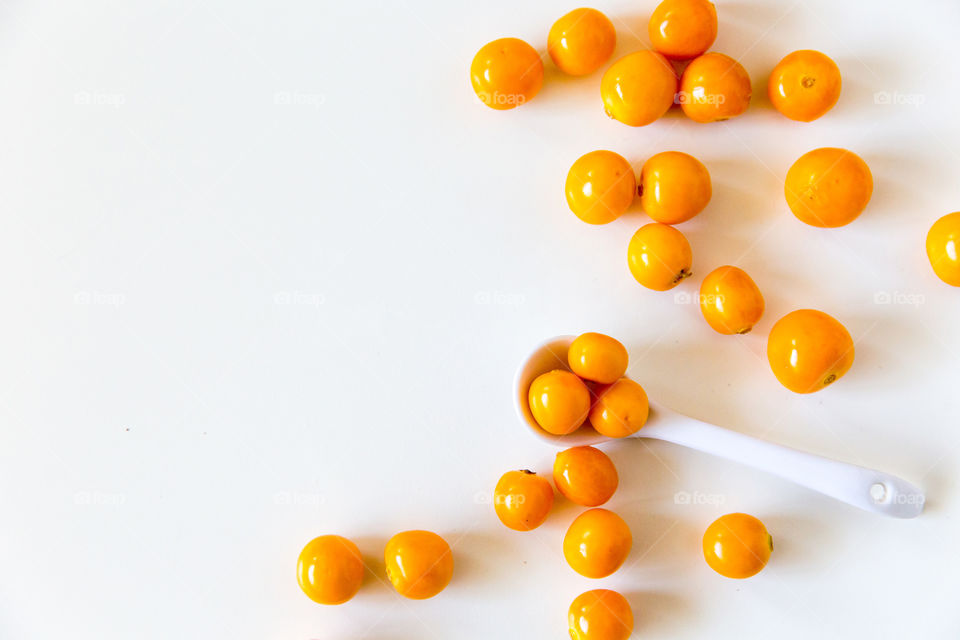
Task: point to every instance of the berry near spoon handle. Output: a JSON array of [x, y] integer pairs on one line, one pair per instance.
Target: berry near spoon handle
[[867, 489]]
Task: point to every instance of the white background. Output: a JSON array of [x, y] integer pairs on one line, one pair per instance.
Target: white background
[[267, 270]]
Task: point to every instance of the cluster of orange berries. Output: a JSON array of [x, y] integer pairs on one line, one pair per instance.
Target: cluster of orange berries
[[419, 565], [598, 541]]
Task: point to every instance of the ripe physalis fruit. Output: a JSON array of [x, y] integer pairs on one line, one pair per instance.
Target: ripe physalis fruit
[[597, 543], [828, 187], [674, 187], [659, 256], [581, 41], [683, 29], [804, 85], [330, 569], [600, 614], [943, 248], [714, 87], [559, 402], [737, 545], [730, 301], [600, 187], [506, 73], [597, 357], [620, 410], [522, 500], [585, 475], [419, 564], [809, 350], [638, 88]]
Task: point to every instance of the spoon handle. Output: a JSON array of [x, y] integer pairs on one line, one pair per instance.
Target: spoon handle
[[867, 489]]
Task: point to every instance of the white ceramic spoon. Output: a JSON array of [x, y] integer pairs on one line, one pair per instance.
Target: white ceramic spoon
[[865, 488]]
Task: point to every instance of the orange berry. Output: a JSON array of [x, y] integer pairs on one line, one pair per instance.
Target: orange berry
[[559, 401], [714, 87], [674, 187], [506, 73], [585, 475], [659, 256], [600, 187], [683, 29], [600, 614], [809, 350], [638, 88], [737, 545], [330, 569], [943, 248], [581, 41], [621, 409], [597, 543], [828, 187], [730, 301], [597, 357], [522, 500], [419, 564], [804, 85]]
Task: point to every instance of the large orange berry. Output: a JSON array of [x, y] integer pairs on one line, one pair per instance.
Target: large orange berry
[[683, 29], [638, 88], [620, 410], [674, 187], [597, 543], [559, 401], [597, 357], [714, 87], [506, 73], [809, 350], [600, 187], [659, 256], [828, 187], [522, 500], [737, 545], [419, 564], [804, 85], [330, 569], [730, 300], [585, 475], [600, 614], [943, 248], [581, 41]]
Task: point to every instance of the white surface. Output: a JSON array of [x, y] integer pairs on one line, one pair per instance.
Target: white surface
[[267, 272]]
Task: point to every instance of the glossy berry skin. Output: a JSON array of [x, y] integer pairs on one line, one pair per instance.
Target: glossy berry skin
[[419, 564], [559, 401], [659, 256], [730, 301], [506, 73], [597, 543], [600, 187], [943, 248], [804, 85], [638, 88], [585, 475], [330, 569], [580, 42], [522, 500], [620, 410], [600, 614], [683, 29], [828, 187], [808, 350], [674, 187], [597, 357], [714, 87], [737, 545]]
